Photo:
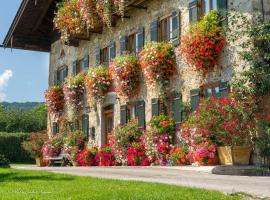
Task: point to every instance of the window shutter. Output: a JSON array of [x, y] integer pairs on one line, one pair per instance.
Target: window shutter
[[85, 124], [140, 114], [74, 68], [123, 113], [224, 89], [93, 133], [195, 99], [123, 44], [175, 27], [155, 107], [193, 11], [176, 108], [65, 73], [112, 51], [223, 6], [139, 40], [85, 63], [55, 128], [154, 31], [55, 77], [97, 56]]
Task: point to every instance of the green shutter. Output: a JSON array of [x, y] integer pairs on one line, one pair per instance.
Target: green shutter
[[140, 114], [55, 77], [97, 56], [123, 115], [139, 40], [65, 72], [175, 27], [193, 11], [224, 89], [154, 31], [85, 124], [74, 68], [123, 44], [176, 108], [195, 99], [112, 51], [55, 128], [155, 107], [223, 6]]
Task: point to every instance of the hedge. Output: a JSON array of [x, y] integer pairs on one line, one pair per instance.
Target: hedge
[[10, 146]]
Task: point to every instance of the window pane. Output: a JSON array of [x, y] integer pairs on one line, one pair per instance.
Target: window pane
[[194, 14], [209, 92], [207, 6], [215, 4]]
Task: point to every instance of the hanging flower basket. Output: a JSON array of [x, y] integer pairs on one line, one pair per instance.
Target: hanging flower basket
[[158, 64], [126, 73], [97, 83], [54, 98], [73, 91], [203, 43]]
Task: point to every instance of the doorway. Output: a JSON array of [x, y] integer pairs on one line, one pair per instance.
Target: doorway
[[108, 113]]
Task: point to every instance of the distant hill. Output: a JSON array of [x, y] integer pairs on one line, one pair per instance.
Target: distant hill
[[22, 106]]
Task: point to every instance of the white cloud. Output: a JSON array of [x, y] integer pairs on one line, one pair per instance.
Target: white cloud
[[4, 78]]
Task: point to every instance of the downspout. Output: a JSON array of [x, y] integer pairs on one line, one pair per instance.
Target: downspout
[[263, 14]]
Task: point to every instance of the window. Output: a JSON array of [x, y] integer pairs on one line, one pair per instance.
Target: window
[[55, 128], [76, 67], [104, 56], [140, 113], [200, 8], [60, 74], [85, 124], [131, 43], [166, 29]]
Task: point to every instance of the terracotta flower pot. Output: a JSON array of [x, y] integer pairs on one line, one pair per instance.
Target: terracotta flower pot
[[237, 155]]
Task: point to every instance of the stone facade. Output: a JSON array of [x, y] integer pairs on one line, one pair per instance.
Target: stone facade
[[185, 80]]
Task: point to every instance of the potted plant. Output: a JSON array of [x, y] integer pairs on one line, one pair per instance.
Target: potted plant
[[34, 146], [74, 143]]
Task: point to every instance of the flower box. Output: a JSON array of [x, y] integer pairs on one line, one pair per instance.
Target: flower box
[[237, 155]]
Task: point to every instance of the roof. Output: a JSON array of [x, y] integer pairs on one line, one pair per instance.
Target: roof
[[32, 27]]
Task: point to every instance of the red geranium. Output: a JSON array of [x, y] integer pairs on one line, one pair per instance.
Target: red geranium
[[107, 157], [136, 155], [88, 157], [54, 97]]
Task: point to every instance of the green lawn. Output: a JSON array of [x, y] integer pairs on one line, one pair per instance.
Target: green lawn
[[19, 184]]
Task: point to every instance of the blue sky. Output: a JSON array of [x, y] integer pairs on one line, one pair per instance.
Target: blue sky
[[23, 74]]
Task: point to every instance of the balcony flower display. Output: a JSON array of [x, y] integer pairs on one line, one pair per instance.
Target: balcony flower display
[[54, 98], [73, 91], [68, 19], [88, 157], [126, 73], [203, 43], [179, 156], [218, 122], [136, 155], [158, 64], [89, 13], [97, 83], [107, 157]]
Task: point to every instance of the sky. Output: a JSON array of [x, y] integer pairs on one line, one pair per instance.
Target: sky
[[23, 74]]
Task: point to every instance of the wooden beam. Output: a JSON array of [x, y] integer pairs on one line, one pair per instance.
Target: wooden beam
[[138, 7]]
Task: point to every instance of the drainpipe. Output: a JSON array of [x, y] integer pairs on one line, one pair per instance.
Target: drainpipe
[[263, 15]]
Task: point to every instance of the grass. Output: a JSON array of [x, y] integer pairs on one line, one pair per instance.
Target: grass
[[31, 185]]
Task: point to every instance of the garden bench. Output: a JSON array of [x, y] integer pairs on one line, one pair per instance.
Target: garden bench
[[60, 159]]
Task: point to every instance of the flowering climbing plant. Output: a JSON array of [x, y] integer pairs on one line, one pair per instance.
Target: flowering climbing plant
[[73, 91], [126, 73], [203, 43], [158, 64], [54, 98], [97, 82]]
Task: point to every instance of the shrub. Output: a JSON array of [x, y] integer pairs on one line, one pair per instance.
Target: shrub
[[4, 162], [179, 156], [136, 155], [202, 44], [88, 157], [10, 146], [35, 143], [107, 157], [126, 73]]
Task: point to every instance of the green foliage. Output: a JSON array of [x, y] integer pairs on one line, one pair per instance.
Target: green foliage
[[10, 146], [20, 106], [62, 187], [4, 162], [264, 142], [23, 120], [162, 124], [127, 134], [34, 144], [75, 139]]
